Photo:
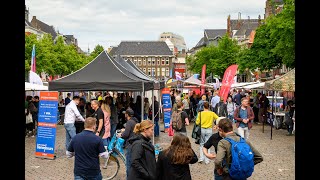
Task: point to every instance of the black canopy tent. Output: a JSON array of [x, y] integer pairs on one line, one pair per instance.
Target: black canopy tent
[[102, 73]]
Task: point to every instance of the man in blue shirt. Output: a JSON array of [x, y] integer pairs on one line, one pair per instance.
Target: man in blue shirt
[[244, 116], [87, 147]]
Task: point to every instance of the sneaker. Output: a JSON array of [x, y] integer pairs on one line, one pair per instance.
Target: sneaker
[[200, 161]]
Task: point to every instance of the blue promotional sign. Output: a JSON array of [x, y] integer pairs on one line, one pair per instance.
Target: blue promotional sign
[[48, 111], [47, 123], [166, 101]]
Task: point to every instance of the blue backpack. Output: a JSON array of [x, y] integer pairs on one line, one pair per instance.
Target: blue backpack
[[242, 165]]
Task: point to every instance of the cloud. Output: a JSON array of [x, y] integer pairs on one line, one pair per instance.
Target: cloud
[[109, 22]]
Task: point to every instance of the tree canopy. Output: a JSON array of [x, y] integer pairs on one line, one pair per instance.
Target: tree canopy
[[55, 57]]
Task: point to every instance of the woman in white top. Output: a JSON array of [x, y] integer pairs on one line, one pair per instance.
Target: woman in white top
[[186, 103], [231, 107]]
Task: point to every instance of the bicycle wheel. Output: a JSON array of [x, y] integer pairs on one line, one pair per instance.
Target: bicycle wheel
[[109, 167]]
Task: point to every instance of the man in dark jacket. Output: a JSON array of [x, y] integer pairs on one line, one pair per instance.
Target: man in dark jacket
[[221, 108], [127, 133], [156, 116], [131, 122]]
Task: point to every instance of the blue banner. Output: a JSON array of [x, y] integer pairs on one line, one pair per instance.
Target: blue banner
[[166, 99], [47, 123]]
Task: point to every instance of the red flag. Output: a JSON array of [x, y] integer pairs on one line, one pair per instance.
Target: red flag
[[203, 78], [227, 81]]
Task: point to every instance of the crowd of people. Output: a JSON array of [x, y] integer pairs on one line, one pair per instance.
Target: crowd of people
[[91, 125]]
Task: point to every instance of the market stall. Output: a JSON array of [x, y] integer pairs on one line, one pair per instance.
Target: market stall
[[285, 82]]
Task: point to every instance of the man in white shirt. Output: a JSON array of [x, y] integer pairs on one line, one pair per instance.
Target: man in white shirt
[[71, 115], [215, 100]]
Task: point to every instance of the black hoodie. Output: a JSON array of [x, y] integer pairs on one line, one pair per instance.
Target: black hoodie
[[128, 132]]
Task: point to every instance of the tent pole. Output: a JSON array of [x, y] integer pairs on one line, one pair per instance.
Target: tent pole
[[159, 97], [142, 100], [153, 114], [272, 109]]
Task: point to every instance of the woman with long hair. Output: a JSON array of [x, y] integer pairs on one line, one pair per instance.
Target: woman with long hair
[[141, 153], [107, 113], [173, 162]]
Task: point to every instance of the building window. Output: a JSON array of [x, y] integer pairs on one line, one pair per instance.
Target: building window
[[163, 71], [153, 62], [139, 58], [162, 61], [129, 58], [167, 61], [149, 71], [144, 70], [144, 62], [158, 62], [139, 63], [149, 61], [158, 72], [135, 58], [135, 62], [153, 72], [167, 72]]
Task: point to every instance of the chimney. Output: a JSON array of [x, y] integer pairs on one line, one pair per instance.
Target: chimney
[[259, 20], [229, 26]]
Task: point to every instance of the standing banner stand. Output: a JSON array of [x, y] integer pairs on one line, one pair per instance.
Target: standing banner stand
[[166, 100], [47, 122]]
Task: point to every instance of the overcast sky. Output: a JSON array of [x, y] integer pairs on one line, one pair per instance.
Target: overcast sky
[[108, 22]]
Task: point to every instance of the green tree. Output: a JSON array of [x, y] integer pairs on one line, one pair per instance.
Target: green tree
[[274, 42], [97, 50], [216, 58]]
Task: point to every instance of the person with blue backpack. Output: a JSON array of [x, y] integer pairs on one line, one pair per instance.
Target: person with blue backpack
[[236, 157]]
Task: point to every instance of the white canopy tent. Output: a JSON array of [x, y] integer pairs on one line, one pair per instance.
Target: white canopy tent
[[34, 87], [241, 84], [254, 86]]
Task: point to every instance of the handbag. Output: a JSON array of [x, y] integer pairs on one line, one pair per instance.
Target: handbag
[[170, 131], [29, 118], [198, 128]]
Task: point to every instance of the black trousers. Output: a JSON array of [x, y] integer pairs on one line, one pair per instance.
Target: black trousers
[[79, 126], [256, 113]]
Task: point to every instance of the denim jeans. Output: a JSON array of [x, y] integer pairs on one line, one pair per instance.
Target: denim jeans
[[106, 141], [128, 160], [243, 132], [230, 116], [70, 133], [156, 127], [145, 117], [113, 129], [205, 135], [96, 177]]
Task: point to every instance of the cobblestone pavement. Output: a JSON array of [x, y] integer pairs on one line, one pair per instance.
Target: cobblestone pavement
[[278, 154]]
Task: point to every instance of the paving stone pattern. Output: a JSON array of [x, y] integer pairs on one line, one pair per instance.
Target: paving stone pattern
[[278, 154]]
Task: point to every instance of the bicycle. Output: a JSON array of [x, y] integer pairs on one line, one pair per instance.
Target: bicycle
[[110, 167]]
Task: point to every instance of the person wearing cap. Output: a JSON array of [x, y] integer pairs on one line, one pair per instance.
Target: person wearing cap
[[127, 133]]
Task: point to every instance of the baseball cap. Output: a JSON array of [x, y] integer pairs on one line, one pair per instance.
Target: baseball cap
[[130, 112]]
